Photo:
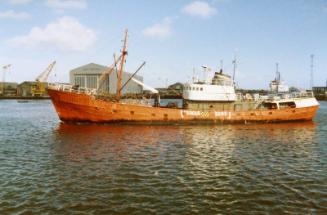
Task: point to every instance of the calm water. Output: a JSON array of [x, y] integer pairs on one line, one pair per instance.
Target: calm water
[[47, 167]]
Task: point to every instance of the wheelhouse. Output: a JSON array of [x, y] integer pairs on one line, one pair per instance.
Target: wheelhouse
[[279, 105]]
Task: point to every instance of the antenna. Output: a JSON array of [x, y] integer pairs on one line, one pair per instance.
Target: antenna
[[193, 78], [234, 66], [277, 78], [221, 65], [277, 72], [205, 67], [311, 70]]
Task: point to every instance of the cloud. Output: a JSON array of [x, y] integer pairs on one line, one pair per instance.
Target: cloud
[[159, 30], [200, 9], [66, 33], [16, 2], [10, 14], [67, 4]]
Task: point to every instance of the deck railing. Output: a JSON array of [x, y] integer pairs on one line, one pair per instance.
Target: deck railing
[[82, 90], [253, 97], [275, 97], [71, 88]]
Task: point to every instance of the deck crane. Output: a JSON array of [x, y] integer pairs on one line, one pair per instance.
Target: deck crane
[[39, 86]]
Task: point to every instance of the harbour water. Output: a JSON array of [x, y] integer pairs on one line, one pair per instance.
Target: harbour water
[[48, 167]]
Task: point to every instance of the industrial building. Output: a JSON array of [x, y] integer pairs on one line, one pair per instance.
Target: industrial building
[[32, 89], [320, 92], [8, 88], [87, 76]]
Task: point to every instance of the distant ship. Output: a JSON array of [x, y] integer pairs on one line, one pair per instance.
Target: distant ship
[[209, 101], [277, 85]]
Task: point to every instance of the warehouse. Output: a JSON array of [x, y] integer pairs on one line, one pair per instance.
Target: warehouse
[[87, 76], [8, 89], [32, 89], [320, 92]]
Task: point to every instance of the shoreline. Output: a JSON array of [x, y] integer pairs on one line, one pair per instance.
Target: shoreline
[[23, 98]]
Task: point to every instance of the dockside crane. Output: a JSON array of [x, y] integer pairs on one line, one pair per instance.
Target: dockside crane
[[43, 77], [39, 87], [5, 68]]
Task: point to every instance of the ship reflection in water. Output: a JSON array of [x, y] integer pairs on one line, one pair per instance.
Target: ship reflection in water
[[48, 167], [206, 168]]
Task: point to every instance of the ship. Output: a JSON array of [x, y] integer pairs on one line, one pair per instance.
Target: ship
[[212, 100]]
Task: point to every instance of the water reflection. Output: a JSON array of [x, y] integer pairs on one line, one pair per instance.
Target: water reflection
[[96, 141], [100, 141]]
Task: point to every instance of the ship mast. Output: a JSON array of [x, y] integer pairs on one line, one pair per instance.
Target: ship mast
[[121, 66], [311, 71], [277, 77], [234, 68]]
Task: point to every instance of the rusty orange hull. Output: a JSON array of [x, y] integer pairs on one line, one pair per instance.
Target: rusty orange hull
[[76, 107]]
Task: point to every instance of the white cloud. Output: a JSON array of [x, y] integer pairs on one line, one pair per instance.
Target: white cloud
[[67, 4], [66, 33], [199, 8], [159, 30], [10, 14], [19, 1]]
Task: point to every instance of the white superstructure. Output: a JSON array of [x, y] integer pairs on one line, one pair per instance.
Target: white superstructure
[[278, 86], [220, 89]]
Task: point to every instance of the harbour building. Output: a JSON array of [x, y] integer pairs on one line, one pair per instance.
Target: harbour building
[[8, 89], [320, 92], [87, 76], [32, 89]]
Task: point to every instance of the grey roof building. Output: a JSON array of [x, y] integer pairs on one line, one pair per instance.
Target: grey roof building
[[88, 75]]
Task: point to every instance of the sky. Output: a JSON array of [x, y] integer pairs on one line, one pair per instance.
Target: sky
[[174, 37]]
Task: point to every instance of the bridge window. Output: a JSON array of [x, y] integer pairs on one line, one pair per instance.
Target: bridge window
[[270, 105], [287, 105]]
